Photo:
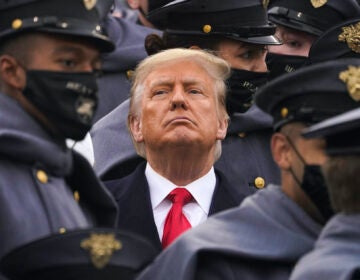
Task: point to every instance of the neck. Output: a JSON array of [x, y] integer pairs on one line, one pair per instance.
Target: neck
[[35, 113], [182, 166], [142, 19]]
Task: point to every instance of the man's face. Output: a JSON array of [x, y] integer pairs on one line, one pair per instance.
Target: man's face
[[243, 56], [311, 150], [179, 109], [294, 42], [55, 53]]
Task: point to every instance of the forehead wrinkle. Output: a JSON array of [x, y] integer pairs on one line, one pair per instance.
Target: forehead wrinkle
[[169, 81]]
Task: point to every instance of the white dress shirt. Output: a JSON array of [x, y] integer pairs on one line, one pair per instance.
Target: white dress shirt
[[196, 211]]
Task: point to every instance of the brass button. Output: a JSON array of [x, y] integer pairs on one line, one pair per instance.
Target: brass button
[[242, 134], [284, 112], [76, 196], [259, 182], [207, 28], [129, 74], [42, 176], [62, 230], [16, 24]]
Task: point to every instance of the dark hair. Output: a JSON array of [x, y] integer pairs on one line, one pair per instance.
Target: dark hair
[[341, 175], [154, 43], [18, 46]]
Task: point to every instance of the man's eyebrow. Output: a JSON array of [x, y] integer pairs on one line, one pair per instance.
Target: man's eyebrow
[[67, 49], [170, 81], [76, 51], [164, 81]]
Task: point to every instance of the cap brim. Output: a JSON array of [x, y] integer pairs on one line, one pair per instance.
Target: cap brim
[[297, 26], [61, 256], [261, 40], [334, 125]]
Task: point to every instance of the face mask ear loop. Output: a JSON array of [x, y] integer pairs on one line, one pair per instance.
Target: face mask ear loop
[[299, 156]]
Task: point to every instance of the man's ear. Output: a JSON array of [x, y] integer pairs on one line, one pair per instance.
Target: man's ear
[[135, 127], [280, 149], [222, 129], [11, 73]]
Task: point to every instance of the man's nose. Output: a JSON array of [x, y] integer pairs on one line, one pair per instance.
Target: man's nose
[[178, 99]]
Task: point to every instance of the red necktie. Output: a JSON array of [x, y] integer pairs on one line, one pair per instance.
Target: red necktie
[[176, 222]]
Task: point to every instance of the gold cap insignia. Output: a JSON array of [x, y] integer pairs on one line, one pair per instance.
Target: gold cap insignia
[[351, 35], [89, 4], [318, 3], [352, 79], [284, 112], [101, 247], [207, 28], [266, 3]]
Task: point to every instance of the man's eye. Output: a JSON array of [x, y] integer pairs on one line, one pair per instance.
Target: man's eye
[[194, 91], [246, 55], [294, 44], [70, 63], [160, 92]]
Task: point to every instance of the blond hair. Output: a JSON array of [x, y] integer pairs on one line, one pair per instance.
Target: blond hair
[[217, 68]]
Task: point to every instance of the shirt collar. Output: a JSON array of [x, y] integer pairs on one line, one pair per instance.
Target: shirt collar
[[201, 189]]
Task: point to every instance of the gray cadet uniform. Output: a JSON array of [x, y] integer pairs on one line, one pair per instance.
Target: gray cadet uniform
[[39, 175], [114, 84], [336, 254], [265, 236], [267, 232]]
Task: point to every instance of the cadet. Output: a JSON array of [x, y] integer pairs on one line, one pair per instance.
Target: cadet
[[272, 229], [49, 59], [114, 84], [299, 23], [246, 159], [336, 254]]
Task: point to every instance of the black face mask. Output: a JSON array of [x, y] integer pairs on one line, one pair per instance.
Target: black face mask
[[68, 100], [279, 64], [242, 86], [313, 184]]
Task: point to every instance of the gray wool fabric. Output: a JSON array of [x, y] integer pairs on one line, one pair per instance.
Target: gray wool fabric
[[266, 227], [336, 254], [33, 206]]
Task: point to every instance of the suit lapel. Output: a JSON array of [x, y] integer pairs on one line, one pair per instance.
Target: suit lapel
[[135, 210], [225, 196]]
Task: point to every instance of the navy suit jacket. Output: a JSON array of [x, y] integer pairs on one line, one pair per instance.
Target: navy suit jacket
[[135, 210]]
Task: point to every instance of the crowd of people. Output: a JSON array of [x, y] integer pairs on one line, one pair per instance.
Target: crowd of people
[[179, 139]]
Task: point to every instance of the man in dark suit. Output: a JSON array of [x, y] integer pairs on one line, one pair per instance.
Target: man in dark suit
[[270, 230], [177, 119]]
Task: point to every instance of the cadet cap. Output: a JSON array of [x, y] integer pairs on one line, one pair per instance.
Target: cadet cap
[[312, 16], [80, 18], [312, 93], [340, 41], [90, 254], [244, 20], [342, 133]]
